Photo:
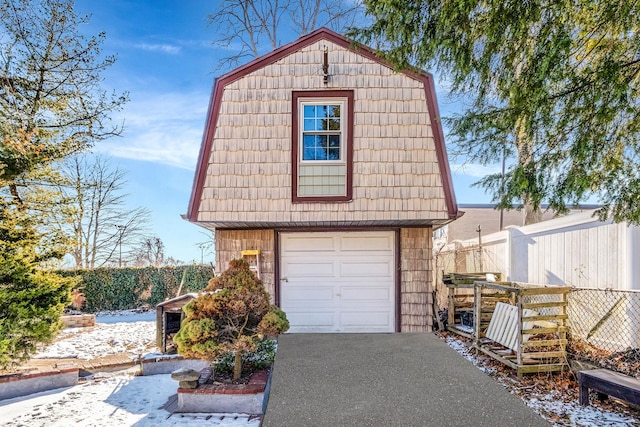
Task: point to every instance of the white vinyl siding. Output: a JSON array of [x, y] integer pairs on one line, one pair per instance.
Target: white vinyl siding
[[322, 180]]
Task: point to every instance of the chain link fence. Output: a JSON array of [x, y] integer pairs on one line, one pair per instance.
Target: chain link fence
[[606, 319]]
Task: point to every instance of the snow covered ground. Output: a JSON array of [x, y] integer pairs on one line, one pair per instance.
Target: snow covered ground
[[122, 399], [119, 399], [558, 405], [119, 332], [116, 399]]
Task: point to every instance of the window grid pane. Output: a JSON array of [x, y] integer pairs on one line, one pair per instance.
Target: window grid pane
[[321, 132]]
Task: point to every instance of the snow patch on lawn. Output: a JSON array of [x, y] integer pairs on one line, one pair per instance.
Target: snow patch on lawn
[[574, 414], [113, 400], [133, 334]]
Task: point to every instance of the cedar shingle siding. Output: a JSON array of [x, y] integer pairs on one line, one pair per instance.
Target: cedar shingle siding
[[230, 244], [400, 173], [396, 175]]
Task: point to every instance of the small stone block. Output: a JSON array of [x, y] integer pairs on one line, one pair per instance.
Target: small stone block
[[188, 384], [185, 375]]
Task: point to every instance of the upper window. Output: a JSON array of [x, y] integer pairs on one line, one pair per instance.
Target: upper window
[[322, 146], [322, 131]]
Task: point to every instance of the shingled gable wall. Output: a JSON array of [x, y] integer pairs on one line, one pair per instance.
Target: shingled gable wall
[[399, 174], [401, 177]]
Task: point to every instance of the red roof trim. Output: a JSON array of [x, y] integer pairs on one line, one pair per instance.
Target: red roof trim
[[441, 149], [302, 42]]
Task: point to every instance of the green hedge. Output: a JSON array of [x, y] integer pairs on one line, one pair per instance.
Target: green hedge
[[128, 288]]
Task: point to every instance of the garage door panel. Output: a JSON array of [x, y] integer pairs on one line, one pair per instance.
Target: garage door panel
[[367, 243], [366, 269], [310, 318], [309, 295], [367, 294], [309, 269], [307, 243], [354, 321]]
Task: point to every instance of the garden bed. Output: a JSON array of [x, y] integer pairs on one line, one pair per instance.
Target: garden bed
[[224, 397]]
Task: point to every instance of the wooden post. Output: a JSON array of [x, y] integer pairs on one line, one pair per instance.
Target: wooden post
[[451, 306], [477, 312], [519, 347], [159, 327]]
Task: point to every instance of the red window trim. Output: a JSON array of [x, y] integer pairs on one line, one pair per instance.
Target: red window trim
[[295, 145]]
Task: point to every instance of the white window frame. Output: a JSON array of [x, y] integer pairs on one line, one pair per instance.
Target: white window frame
[[344, 126]]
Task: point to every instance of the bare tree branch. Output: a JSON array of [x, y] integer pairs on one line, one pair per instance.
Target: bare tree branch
[[250, 28]]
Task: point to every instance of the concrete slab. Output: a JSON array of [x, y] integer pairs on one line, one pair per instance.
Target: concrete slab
[[250, 404], [408, 379]]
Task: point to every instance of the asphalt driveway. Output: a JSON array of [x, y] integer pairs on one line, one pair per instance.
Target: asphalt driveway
[[408, 379]]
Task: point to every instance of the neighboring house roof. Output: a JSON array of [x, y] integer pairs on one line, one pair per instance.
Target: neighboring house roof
[[488, 217], [321, 34]]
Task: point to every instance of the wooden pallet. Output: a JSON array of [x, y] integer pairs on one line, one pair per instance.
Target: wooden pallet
[[460, 300], [518, 335]]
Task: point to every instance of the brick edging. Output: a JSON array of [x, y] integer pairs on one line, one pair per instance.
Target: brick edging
[[18, 377]]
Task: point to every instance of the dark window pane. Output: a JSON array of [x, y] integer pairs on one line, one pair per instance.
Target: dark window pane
[[334, 110], [334, 141], [324, 141], [334, 124], [334, 154]]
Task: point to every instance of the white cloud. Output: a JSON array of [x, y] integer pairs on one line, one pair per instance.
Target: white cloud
[[475, 170], [162, 128], [165, 48]]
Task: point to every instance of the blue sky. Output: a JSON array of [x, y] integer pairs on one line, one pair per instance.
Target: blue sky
[[166, 62]]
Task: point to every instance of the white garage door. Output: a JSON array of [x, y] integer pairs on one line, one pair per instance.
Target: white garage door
[[338, 281]]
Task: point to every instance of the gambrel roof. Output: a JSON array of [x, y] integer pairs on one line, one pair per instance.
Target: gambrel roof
[[322, 34]]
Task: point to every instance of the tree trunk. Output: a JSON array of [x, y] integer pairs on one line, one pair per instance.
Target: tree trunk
[[531, 215], [237, 366], [13, 189]]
